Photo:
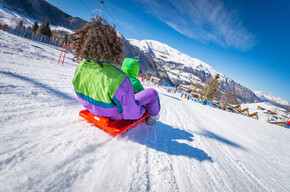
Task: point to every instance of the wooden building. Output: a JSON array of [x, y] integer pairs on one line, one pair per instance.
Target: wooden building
[[260, 108], [245, 111], [254, 115], [152, 79]]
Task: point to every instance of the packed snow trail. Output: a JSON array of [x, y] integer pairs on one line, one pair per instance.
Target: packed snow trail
[[46, 146]]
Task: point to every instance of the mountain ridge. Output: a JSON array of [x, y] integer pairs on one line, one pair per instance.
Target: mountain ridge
[[267, 97], [43, 11]]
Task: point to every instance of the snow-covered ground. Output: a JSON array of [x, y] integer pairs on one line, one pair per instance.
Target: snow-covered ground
[[46, 146]]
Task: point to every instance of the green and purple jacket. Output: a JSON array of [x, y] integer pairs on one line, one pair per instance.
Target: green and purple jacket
[[131, 68], [106, 91]]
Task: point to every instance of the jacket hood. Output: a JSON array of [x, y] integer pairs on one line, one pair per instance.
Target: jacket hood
[[131, 67]]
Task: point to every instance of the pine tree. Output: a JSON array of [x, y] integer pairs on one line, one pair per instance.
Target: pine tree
[[66, 38], [47, 29], [210, 90], [21, 22], [42, 29], [35, 26]]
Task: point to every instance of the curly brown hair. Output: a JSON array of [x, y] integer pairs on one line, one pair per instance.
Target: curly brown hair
[[99, 41]]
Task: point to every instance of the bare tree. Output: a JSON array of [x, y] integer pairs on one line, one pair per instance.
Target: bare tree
[[230, 97]]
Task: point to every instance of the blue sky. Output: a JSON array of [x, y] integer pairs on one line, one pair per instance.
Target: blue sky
[[247, 40]]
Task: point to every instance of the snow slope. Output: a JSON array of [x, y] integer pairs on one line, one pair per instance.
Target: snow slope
[[46, 146]]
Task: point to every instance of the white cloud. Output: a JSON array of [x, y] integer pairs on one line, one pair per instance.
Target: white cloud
[[208, 21]]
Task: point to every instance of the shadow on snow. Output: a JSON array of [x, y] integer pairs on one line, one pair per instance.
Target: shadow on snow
[[214, 136], [162, 137], [42, 85]]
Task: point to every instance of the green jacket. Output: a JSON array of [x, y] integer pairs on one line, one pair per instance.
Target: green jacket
[[131, 68], [106, 91], [95, 84]]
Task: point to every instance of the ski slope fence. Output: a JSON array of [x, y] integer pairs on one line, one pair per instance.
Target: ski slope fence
[[32, 35]]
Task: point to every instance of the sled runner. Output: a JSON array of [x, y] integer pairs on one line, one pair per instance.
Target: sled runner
[[113, 127]]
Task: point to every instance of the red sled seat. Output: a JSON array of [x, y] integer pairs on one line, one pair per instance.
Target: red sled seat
[[112, 127]]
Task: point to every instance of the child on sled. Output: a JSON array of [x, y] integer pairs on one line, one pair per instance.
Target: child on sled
[[103, 88]]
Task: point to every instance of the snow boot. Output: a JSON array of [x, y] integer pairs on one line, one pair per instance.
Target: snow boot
[[152, 120]]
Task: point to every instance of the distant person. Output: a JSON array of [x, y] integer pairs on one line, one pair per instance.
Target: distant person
[[287, 124], [131, 68]]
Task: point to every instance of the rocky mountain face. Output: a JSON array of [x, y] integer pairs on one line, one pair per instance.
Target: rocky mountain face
[[148, 66], [42, 11], [183, 69]]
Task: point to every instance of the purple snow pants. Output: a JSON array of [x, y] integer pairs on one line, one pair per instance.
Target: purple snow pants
[[149, 98]]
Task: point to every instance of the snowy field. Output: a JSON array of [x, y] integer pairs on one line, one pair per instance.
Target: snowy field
[[46, 146]]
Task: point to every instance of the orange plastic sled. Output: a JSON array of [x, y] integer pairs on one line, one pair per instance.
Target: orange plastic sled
[[113, 127]]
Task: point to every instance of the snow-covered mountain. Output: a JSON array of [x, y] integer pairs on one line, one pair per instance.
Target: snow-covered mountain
[[12, 18], [183, 69], [147, 64], [272, 99], [41, 11], [172, 57]]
